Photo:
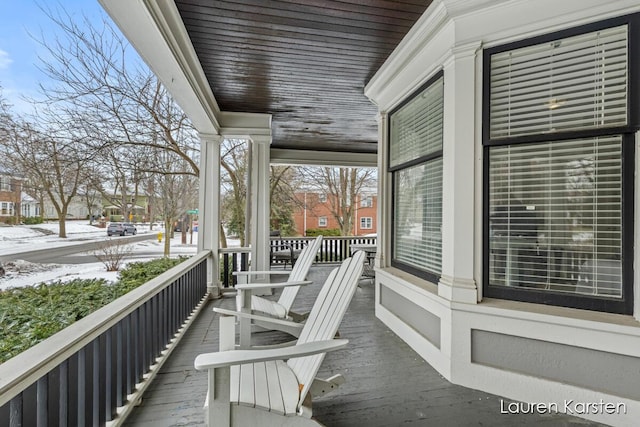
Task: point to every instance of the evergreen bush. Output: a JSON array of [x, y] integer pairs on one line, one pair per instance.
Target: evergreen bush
[[31, 314], [313, 232]]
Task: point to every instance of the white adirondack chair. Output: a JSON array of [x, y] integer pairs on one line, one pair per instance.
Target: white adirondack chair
[[281, 308], [257, 387]]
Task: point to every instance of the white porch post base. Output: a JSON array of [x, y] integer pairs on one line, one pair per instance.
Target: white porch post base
[[213, 286], [214, 291], [458, 290]]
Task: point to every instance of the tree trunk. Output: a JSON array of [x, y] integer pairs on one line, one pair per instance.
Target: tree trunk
[[63, 225], [168, 231], [223, 238]]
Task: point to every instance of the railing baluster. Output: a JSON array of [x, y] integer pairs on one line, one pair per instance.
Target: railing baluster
[[135, 328], [95, 382], [154, 329], [110, 385], [42, 401], [63, 394], [225, 270], [15, 411], [148, 334], [53, 396], [244, 261], [81, 395], [95, 379], [174, 308], [168, 313], [121, 373]]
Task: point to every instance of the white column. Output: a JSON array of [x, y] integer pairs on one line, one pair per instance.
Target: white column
[[260, 203], [458, 215], [209, 208], [383, 211]]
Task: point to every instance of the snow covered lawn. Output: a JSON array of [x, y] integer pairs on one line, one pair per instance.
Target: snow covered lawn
[[21, 238]]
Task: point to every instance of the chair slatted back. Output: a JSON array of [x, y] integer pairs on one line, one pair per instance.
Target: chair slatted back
[[326, 315], [299, 271]]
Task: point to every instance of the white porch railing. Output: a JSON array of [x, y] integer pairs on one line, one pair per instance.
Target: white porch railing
[[333, 249], [94, 371]]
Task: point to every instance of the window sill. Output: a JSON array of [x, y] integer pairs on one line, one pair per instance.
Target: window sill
[[517, 310], [411, 280], [607, 322]]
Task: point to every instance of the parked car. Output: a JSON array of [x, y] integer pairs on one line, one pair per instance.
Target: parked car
[[179, 225], [121, 229]]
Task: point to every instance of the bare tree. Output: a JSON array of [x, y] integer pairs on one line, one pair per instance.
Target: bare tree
[[112, 254], [55, 158], [96, 71], [177, 193], [342, 187], [283, 185], [233, 159]]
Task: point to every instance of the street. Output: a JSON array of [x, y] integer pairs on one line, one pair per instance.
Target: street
[[60, 254]]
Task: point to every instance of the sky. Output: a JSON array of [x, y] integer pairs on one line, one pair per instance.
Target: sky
[[20, 22]]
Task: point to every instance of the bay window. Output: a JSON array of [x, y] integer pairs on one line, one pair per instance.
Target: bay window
[[559, 129], [415, 162]]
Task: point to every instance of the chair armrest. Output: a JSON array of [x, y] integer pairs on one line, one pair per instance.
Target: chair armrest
[[259, 317], [262, 273], [248, 286], [238, 357]]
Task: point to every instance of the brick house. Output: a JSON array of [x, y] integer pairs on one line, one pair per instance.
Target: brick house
[[10, 197], [314, 211]]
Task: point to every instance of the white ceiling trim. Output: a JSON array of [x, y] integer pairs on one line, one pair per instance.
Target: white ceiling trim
[[323, 158], [255, 126]]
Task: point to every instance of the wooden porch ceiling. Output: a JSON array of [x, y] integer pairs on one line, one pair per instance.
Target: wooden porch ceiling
[[305, 62]]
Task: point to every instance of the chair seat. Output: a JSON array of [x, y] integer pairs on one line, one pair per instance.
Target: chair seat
[[268, 307], [270, 386]]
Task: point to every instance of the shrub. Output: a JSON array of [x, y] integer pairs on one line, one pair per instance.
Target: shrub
[[112, 254], [32, 220], [313, 232], [31, 314], [138, 273]]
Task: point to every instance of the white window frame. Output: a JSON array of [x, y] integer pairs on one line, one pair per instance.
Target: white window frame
[[366, 223], [5, 183], [568, 123], [415, 154], [366, 202]]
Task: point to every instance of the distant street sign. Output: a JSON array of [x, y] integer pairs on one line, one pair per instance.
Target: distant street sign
[[193, 212]]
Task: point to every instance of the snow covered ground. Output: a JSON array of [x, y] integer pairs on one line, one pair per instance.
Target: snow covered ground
[[21, 238]]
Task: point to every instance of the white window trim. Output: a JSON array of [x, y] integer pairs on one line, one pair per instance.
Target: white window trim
[[367, 220]]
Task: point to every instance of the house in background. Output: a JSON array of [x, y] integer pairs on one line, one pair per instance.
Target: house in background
[[366, 214], [135, 209], [29, 206], [77, 209], [10, 198], [314, 211]]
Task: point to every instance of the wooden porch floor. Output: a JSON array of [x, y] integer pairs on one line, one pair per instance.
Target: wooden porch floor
[[388, 384]]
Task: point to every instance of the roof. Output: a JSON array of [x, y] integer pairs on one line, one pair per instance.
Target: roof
[[304, 63]]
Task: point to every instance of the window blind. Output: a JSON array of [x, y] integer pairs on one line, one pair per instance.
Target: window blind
[[556, 216], [418, 216], [574, 83], [416, 128]]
